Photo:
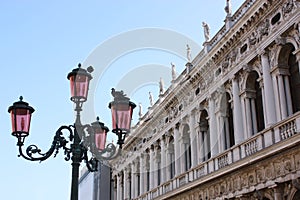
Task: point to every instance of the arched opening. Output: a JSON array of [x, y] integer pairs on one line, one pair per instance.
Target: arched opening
[[204, 139], [288, 81], [170, 159], [254, 104], [226, 122], [294, 79], [158, 165], [296, 195], [187, 154], [147, 166], [138, 179]]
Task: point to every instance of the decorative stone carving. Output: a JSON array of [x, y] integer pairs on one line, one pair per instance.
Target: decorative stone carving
[[233, 55], [272, 56], [264, 29], [226, 64], [260, 175], [253, 38], [269, 173], [251, 179], [288, 167], [288, 7], [278, 169], [295, 34]]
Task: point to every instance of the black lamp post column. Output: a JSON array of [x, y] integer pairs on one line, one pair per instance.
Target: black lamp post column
[[76, 155]]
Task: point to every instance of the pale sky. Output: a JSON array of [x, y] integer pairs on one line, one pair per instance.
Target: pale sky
[[41, 42]]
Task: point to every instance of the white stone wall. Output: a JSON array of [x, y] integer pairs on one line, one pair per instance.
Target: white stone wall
[[243, 82]]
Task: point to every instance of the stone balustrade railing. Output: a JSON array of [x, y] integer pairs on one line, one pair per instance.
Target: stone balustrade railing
[[278, 132]]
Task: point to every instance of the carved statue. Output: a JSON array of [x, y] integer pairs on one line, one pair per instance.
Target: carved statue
[[151, 99], [173, 71], [140, 110], [161, 86], [228, 9], [206, 31], [188, 53]]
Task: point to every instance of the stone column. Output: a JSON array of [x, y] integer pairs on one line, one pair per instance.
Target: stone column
[[126, 184], [170, 153], [278, 192], [283, 107], [182, 143], [288, 95], [163, 160], [243, 102], [151, 153], [264, 103], [157, 168], [276, 95], [147, 170], [213, 128], [203, 144], [133, 180], [268, 91], [253, 112], [119, 187], [297, 54], [142, 174], [177, 150], [221, 131], [115, 189], [200, 145], [193, 140], [248, 117]]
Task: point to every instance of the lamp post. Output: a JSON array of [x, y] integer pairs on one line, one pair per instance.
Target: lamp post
[[82, 138]]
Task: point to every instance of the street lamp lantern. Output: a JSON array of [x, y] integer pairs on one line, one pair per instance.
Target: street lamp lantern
[[20, 113], [79, 82], [81, 138], [100, 134], [121, 110]]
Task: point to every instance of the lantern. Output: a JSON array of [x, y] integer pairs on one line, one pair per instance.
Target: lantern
[[20, 118], [121, 110], [100, 133], [79, 82]]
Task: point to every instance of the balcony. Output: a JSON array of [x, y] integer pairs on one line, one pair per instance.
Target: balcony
[[265, 143]]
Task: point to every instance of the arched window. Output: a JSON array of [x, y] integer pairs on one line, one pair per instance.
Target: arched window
[[158, 165], [147, 165], [187, 154], [294, 79], [171, 158], [226, 122], [138, 179], [287, 82], [254, 105], [204, 139]]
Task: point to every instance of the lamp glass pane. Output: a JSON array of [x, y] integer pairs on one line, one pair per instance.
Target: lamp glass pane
[[20, 119], [79, 86], [121, 116], [100, 139]]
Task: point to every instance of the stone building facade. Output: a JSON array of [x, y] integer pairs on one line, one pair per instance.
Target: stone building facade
[[227, 127]]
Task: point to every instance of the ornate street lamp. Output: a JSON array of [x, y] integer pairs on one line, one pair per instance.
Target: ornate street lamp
[[121, 111], [83, 138]]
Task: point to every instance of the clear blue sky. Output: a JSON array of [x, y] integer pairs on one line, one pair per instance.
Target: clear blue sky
[[41, 41]]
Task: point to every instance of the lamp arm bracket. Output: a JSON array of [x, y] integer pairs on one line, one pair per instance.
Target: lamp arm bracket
[[91, 164], [109, 153], [59, 141]]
